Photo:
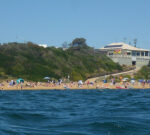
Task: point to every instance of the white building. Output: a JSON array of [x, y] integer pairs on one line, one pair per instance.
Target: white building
[[43, 45], [126, 54]]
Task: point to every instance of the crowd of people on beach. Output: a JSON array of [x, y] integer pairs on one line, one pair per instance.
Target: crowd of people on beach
[[124, 83]]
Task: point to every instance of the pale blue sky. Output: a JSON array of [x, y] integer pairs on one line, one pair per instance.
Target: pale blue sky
[[55, 21]]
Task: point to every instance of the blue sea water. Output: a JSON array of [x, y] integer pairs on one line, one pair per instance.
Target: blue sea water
[[75, 112]]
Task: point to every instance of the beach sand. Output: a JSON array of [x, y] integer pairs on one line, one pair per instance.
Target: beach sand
[[63, 86]]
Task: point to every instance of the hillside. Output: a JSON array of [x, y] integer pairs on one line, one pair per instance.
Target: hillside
[[143, 73], [32, 62]]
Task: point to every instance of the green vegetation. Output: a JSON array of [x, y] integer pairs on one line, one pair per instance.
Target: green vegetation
[[143, 73], [32, 62]]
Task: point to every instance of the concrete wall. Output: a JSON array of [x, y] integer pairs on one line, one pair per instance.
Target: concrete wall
[[128, 61], [141, 62], [123, 61]]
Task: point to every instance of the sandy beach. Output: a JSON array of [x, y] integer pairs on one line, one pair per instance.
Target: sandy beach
[[74, 85]]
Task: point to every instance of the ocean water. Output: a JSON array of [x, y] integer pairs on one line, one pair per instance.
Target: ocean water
[[75, 112]]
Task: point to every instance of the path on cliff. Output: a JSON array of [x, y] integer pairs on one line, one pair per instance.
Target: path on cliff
[[130, 72]]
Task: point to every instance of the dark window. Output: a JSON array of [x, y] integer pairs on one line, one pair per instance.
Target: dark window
[[128, 53], [146, 53], [142, 53], [133, 63], [137, 53], [133, 53], [110, 53]]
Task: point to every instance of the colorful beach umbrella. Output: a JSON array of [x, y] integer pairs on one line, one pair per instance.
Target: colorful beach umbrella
[[20, 80]]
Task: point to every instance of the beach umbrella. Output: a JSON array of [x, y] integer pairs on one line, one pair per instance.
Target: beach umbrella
[[125, 79], [47, 78], [20, 80], [148, 81], [141, 80], [80, 82], [132, 81]]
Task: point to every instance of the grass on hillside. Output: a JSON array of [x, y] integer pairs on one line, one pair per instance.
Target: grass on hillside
[[32, 62]]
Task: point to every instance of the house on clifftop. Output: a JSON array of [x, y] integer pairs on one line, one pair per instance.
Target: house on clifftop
[[126, 54]]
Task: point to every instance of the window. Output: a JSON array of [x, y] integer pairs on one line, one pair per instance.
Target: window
[[110, 54], [137, 53], [142, 53], [133, 53], [146, 53], [128, 53]]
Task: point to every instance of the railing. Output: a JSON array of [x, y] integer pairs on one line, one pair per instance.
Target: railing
[[115, 72], [119, 56], [128, 56]]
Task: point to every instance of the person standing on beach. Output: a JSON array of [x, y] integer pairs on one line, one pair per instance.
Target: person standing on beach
[[21, 85]]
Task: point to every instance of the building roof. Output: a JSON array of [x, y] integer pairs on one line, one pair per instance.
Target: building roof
[[43, 45], [123, 46]]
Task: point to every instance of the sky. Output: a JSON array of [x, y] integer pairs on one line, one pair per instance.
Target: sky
[[54, 22]]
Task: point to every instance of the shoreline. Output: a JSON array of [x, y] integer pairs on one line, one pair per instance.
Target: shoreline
[[34, 89], [5, 85], [71, 89]]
